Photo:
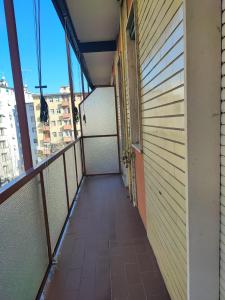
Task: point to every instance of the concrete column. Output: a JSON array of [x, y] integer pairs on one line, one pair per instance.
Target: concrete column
[[202, 102]]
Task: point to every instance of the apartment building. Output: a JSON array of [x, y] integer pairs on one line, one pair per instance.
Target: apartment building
[[59, 130], [9, 151], [32, 129], [11, 158]]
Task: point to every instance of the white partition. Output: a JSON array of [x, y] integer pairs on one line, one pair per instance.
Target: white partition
[[100, 111], [98, 117]]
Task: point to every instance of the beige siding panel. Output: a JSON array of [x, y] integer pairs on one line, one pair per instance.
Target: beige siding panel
[[168, 134], [161, 48], [222, 235], [171, 109], [173, 147], [170, 97], [175, 41], [152, 39], [175, 81]]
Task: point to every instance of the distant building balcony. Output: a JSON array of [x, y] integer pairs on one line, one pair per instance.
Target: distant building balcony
[[67, 139], [46, 128], [67, 127], [46, 139], [66, 116], [65, 103], [2, 137], [4, 150]]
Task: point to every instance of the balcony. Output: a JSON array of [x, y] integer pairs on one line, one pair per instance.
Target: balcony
[[66, 116], [46, 139], [3, 137], [67, 127], [67, 139], [74, 209], [46, 128], [2, 125], [65, 103]]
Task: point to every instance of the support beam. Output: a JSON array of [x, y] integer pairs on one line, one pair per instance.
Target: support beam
[[72, 97], [18, 83], [202, 112], [103, 46]]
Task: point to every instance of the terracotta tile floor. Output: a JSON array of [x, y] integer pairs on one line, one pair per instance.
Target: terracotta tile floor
[[105, 253]]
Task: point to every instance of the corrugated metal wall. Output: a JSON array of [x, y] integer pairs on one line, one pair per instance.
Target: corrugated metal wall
[[222, 237], [161, 51]]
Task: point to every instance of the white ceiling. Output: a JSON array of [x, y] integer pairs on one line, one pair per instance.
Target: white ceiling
[[100, 66], [96, 20]]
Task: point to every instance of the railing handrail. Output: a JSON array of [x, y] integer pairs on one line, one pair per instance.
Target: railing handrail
[[13, 186]]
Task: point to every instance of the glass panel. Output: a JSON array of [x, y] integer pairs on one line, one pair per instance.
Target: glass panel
[[71, 174], [79, 161], [101, 155], [54, 179], [23, 247], [45, 139], [100, 112], [11, 159]]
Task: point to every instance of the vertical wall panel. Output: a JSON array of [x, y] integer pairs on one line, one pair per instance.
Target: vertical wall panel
[[55, 189], [71, 174], [101, 155], [23, 244], [79, 161], [161, 58]]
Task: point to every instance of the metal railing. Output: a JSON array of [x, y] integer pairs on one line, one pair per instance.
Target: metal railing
[[34, 209]]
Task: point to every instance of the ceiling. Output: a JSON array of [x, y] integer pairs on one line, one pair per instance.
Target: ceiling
[[96, 21]]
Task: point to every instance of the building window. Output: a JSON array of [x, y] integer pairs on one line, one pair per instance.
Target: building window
[[58, 111], [50, 99], [54, 134], [59, 122], [53, 123], [2, 131], [2, 144], [5, 169], [4, 157], [60, 133], [52, 111]]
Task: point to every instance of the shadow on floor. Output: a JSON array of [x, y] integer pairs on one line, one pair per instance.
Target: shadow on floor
[[106, 253]]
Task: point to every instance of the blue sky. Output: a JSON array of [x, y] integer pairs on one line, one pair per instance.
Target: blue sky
[[54, 61]]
